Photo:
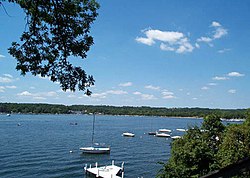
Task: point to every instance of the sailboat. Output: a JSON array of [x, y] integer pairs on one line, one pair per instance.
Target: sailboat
[[151, 132], [95, 149]]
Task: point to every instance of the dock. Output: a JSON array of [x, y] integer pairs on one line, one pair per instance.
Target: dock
[[110, 171]]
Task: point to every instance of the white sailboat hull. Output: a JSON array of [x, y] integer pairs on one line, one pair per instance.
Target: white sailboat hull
[[95, 150]]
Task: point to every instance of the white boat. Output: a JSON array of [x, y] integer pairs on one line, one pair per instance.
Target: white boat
[[159, 134], [164, 130], [128, 134], [8, 115], [95, 149], [181, 130], [175, 137]]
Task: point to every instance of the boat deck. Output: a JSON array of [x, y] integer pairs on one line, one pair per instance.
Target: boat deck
[[110, 171]]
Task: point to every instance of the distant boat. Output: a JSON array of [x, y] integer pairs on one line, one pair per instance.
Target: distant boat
[[95, 149], [128, 134], [175, 137], [8, 115], [164, 130], [160, 134], [181, 130], [151, 133]]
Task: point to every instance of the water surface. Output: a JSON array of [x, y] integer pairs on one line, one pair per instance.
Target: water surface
[[40, 145]]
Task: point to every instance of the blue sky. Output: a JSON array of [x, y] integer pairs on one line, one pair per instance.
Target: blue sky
[[158, 53]]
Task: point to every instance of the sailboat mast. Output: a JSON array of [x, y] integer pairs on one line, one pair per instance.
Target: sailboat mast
[[93, 129]]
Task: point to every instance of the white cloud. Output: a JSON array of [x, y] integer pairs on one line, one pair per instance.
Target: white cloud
[[219, 32], [215, 24], [168, 97], [6, 79], [194, 98], [235, 74], [151, 87], [2, 89], [39, 98], [51, 94], [2, 56], [145, 96], [99, 95], [212, 84], [167, 94], [137, 93], [220, 78], [205, 88], [11, 87], [8, 75], [170, 40], [197, 45], [205, 39], [25, 93], [146, 41], [117, 92], [148, 97], [165, 47], [127, 84], [223, 50], [232, 91]]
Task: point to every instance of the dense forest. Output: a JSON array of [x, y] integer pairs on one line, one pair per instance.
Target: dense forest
[[28, 108]]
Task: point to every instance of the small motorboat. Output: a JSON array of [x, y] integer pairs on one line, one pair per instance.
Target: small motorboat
[[159, 134], [128, 134], [164, 130], [175, 137], [181, 130], [151, 133]]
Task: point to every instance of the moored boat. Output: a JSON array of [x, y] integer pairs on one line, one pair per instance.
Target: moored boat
[[128, 134], [159, 134], [164, 130]]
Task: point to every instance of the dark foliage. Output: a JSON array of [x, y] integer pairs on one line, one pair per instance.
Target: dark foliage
[[56, 30]]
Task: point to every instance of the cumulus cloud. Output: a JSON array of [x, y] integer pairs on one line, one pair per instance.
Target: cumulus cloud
[[145, 96], [7, 78], [127, 84], [235, 74], [2, 89], [11, 87], [99, 95], [220, 78], [170, 40], [117, 92], [219, 32], [212, 84], [151, 87], [232, 91], [223, 50], [205, 88], [25, 93], [109, 92], [167, 94]]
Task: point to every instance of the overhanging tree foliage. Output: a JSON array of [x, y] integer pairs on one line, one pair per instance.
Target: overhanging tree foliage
[[56, 30]]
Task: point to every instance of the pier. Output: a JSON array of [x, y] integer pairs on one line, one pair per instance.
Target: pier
[[110, 171]]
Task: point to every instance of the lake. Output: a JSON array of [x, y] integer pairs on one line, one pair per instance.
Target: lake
[[40, 145]]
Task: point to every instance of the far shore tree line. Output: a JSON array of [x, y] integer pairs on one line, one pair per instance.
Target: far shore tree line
[[35, 108]]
